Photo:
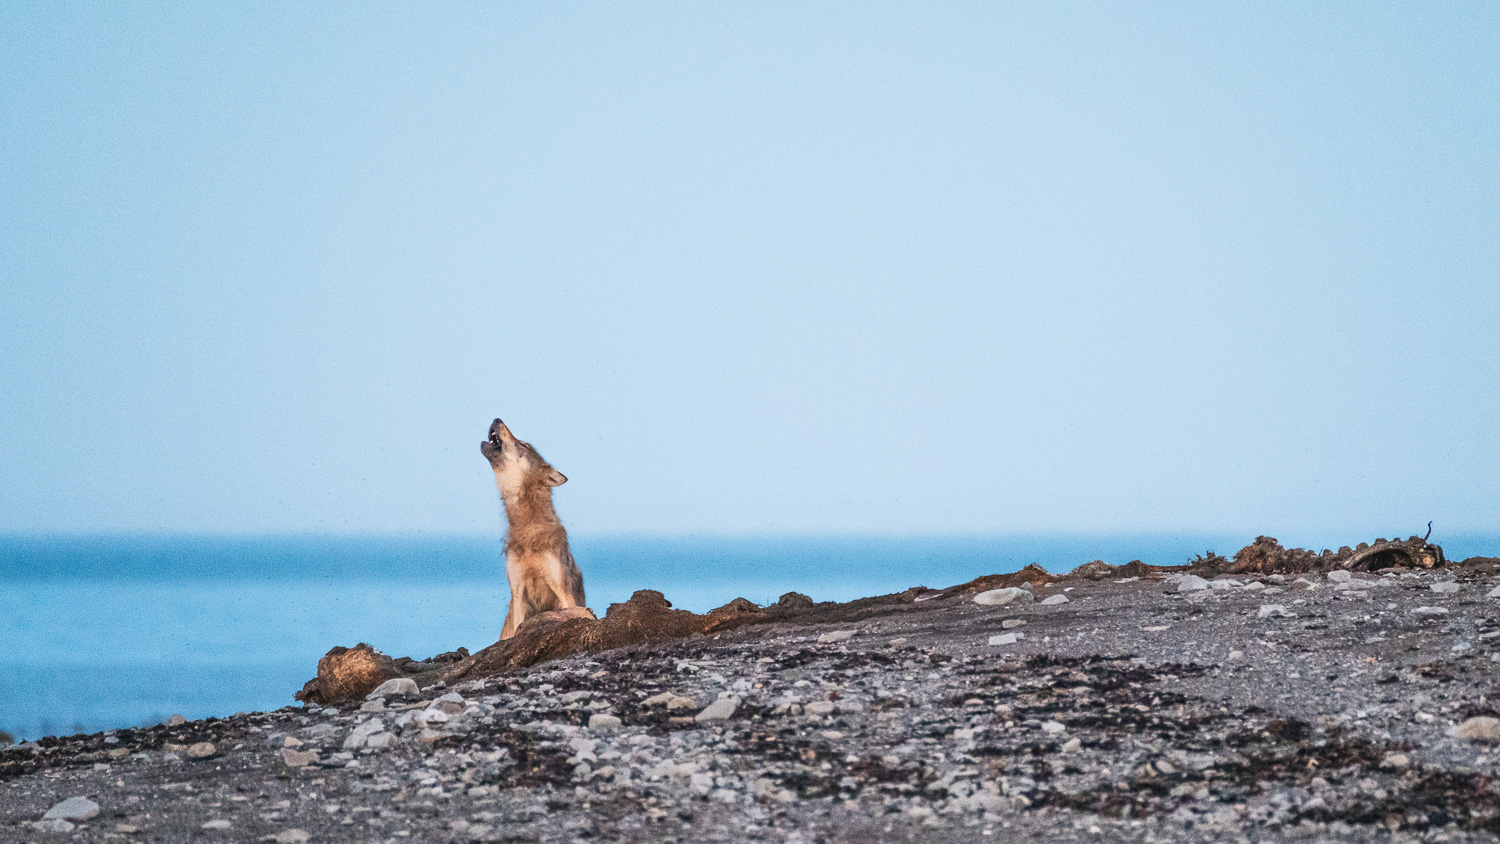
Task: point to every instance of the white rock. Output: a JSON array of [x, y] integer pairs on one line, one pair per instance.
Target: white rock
[[298, 758], [73, 809], [217, 823], [658, 699], [1272, 610], [1339, 576], [1254, 585], [379, 740], [1191, 583], [819, 707], [359, 734], [680, 702], [1430, 611], [399, 687], [1052, 728], [1481, 727], [835, 636], [1495, 593], [201, 750], [1054, 600], [376, 705], [600, 721], [292, 836], [719, 710], [1222, 583], [1012, 622], [1001, 597], [176, 721], [1447, 587], [1395, 761], [1071, 746], [1005, 639], [52, 825]]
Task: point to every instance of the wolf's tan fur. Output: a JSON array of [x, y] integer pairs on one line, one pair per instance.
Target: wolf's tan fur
[[543, 576]]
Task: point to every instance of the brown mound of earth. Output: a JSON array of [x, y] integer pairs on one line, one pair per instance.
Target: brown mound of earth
[[349, 674]]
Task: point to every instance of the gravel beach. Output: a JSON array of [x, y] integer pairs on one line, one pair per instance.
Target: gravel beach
[[1346, 706]]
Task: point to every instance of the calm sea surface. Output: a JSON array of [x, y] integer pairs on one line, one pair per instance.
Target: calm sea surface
[[103, 632]]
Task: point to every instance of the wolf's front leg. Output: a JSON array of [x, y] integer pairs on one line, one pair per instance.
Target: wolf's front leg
[[513, 618]]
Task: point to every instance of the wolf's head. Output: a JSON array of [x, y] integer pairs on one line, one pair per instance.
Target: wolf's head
[[516, 464]]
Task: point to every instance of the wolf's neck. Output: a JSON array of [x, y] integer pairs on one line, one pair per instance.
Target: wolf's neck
[[528, 506]]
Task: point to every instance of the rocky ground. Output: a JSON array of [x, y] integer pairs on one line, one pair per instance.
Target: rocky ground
[[1156, 708]]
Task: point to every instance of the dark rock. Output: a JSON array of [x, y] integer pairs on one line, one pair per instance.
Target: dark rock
[[348, 674], [794, 601], [1033, 574], [1096, 570]]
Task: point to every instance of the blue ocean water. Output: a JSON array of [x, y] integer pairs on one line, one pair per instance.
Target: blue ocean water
[[98, 632]]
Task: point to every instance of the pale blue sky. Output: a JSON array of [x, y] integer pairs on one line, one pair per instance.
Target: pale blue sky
[[753, 268]]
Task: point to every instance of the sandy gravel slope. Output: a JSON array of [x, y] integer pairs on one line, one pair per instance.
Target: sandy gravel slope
[[1257, 710]]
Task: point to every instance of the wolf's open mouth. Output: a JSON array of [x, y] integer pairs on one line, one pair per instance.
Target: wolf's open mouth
[[495, 439]]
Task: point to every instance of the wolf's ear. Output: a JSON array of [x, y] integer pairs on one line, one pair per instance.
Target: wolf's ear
[[555, 478]]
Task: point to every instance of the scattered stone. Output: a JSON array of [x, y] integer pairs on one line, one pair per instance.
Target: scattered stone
[[1052, 728], [819, 707], [1012, 622], [601, 721], [298, 758], [1005, 639], [217, 823], [358, 735], [1339, 576], [678, 702], [399, 687], [1272, 611], [1254, 585], [1446, 587], [1001, 597], [73, 809], [175, 721], [1191, 583], [1054, 600], [1430, 611], [1395, 762], [719, 710], [1494, 593], [1478, 728], [835, 636], [201, 750], [292, 836], [658, 699], [1071, 746], [53, 825]]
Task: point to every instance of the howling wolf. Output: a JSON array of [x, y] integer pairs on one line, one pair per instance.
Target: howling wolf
[[538, 564]]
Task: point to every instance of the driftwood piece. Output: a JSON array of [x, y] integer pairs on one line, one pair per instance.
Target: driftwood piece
[[1266, 556], [346, 674]]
